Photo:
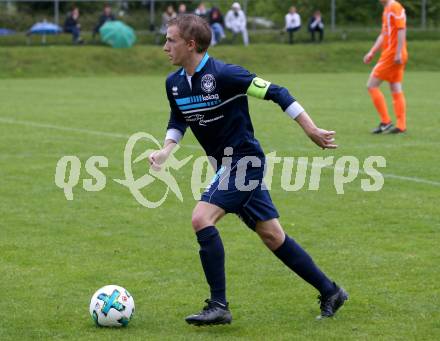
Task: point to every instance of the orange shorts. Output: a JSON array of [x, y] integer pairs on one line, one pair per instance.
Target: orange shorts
[[389, 71]]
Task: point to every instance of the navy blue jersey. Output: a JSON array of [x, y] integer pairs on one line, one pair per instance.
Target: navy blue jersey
[[215, 106]]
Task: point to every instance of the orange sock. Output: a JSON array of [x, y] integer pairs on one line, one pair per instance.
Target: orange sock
[[379, 102], [399, 104]]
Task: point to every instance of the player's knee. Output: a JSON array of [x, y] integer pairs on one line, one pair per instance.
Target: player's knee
[[373, 83], [271, 238], [265, 236], [395, 87], [199, 221]]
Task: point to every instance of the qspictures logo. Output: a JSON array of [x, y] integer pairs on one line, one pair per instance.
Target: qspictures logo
[[297, 173]]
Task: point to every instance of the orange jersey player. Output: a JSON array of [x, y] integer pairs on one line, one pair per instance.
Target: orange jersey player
[[390, 67]]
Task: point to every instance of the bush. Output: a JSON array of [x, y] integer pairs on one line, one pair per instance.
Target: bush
[[18, 21]]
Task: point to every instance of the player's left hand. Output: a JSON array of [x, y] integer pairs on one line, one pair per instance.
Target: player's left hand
[[157, 158], [398, 59], [324, 138], [368, 57]]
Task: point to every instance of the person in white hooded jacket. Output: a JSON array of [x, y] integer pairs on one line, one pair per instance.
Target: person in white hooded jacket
[[235, 21]]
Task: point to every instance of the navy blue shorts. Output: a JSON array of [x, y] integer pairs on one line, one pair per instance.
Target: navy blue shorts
[[234, 189]]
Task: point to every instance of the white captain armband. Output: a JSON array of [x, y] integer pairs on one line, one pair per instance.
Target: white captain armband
[[294, 110], [173, 134]]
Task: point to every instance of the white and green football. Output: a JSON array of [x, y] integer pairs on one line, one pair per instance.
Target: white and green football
[[112, 306]]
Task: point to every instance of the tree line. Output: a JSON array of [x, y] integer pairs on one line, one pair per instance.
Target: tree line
[[348, 12]]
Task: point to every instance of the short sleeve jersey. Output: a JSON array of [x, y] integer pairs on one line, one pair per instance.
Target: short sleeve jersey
[[215, 106], [393, 19]]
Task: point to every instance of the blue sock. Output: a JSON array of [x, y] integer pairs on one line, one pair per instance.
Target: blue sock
[[212, 256], [294, 256]]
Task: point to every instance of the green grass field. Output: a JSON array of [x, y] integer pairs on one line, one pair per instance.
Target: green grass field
[[381, 246]]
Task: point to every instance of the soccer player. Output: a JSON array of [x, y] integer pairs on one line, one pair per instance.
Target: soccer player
[[210, 97], [390, 67]]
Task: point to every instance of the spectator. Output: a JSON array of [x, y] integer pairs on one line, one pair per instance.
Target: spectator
[[166, 16], [181, 9], [72, 25], [106, 15], [316, 25], [235, 21], [293, 22], [216, 22], [201, 11]]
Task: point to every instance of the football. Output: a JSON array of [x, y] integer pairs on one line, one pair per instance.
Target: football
[[112, 306]]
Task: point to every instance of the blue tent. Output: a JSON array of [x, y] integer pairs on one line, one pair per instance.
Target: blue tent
[[6, 32], [45, 28]]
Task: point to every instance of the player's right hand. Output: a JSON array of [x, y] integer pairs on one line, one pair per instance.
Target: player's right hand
[[157, 158], [324, 138], [368, 58]]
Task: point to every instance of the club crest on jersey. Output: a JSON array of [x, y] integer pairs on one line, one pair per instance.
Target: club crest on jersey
[[174, 89], [208, 83]]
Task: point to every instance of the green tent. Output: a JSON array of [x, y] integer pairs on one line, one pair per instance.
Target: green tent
[[117, 34]]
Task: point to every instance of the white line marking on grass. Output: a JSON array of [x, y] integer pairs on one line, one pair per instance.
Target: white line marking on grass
[[55, 127], [407, 178], [76, 130], [380, 144], [386, 175], [123, 136]]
